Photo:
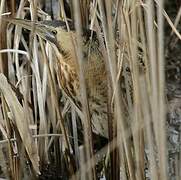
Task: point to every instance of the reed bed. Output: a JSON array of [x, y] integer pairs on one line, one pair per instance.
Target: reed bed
[[40, 126]]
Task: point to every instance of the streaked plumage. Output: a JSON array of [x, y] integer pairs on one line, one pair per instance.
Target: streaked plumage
[[95, 76]]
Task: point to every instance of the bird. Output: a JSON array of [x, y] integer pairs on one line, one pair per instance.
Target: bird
[[62, 41]]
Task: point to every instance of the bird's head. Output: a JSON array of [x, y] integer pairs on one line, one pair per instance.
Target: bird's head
[[55, 32]]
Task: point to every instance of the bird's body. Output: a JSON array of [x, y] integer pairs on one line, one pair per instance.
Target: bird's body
[[95, 77], [63, 43]]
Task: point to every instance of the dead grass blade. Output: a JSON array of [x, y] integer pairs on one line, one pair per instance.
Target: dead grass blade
[[87, 125], [3, 42], [20, 121]]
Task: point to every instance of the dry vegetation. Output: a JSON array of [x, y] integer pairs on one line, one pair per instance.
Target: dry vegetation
[[39, 126]]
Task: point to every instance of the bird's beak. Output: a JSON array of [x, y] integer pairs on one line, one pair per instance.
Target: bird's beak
[[45, 31]]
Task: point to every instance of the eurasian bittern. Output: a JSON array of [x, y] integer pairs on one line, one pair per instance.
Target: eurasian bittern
[[61, 40]]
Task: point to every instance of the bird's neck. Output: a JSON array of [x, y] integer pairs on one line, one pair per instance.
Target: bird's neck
[[66, 48], [65, 40]]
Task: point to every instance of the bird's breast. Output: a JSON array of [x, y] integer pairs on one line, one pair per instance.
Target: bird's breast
[[96, 86]]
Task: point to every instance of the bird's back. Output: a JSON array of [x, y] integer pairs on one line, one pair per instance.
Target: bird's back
[[96, 80]]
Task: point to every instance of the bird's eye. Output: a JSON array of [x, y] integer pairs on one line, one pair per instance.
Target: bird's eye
[[54, 32]]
